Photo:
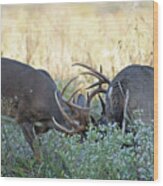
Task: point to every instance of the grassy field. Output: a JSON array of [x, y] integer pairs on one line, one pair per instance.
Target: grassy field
[[53, 37]]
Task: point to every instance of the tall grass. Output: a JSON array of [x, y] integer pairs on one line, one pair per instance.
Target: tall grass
[[53, 36]]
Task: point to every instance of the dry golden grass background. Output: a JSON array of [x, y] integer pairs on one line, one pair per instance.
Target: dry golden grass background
[[54, 36]]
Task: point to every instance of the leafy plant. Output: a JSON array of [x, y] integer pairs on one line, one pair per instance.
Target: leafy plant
[[105, 153]]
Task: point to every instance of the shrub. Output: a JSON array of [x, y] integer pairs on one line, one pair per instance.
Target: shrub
[[105, 153]]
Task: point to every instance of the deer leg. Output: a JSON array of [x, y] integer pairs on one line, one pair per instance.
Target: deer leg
[[29, 133]]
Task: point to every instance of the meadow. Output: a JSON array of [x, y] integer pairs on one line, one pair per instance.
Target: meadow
[[53, 37]]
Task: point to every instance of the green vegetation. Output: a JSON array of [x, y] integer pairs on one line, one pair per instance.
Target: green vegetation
[[105, 154]]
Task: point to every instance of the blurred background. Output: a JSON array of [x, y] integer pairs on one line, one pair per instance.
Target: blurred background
[[54, 36]]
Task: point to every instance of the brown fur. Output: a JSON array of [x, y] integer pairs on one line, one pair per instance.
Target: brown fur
[[140, 83], [28, 96]]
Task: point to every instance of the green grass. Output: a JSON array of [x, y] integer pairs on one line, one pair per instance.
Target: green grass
[[109, 156]]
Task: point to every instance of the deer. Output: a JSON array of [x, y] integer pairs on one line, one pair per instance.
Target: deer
[[132, 89], [31, 97]]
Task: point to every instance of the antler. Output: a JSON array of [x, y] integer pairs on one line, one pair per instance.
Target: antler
[[74, 123], [68, 83], [62, 110], [69, 101], [73, 94], [102, 79], [93, 94], [96, 73], [102, 105], [78, 121], [68, 131]]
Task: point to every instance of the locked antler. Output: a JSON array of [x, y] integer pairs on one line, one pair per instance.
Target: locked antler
[[102, 79]]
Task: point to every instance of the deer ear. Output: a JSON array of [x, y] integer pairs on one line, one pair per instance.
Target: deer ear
[[81, 101]]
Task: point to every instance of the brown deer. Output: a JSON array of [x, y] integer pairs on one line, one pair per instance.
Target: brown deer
[[32, 98], [130, 90]]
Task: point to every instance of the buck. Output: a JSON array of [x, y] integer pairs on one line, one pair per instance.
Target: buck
[[31, 97], [130, 90]]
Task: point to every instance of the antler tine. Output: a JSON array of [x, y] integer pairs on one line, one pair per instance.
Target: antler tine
[[94, 71], [101, 70], [95, 84], [73, 105], [99, 83], [102, 104], [92, 74], [87, 95], [68, 83], [71, 121], [68, 102], [61, 109], [96, 91], [73, 94]]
